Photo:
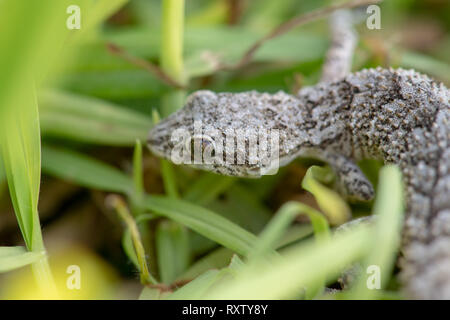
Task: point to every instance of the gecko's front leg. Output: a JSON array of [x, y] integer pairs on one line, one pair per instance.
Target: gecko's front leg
[[350, 180]]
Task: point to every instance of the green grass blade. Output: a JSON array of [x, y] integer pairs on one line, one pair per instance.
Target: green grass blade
[[274, 231], [294, 234], [388, 210], [100, 10], [219, 258], [334, 207], [115, 202], [203, 221], [426, 64], [127, 240], [138, 173], [2, 173], [169, 180], [301, 266], [90, 120], [172, 245], [11, 251], [21, 150], [88, 172], [89, 107], [33, 33], [150, 293], [12, 258], [138, 182], [198, 287], [208, 187], [84, 171], [209, 280], [128, 248]]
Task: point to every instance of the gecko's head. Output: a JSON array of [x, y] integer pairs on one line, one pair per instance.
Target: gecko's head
[[223, 133]]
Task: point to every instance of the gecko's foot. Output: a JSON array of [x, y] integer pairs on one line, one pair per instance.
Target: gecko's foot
[[351, 181]]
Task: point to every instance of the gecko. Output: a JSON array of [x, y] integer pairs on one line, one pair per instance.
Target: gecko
[[398, 116]]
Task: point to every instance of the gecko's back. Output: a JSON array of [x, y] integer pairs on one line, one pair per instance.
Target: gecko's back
[[403, 117]]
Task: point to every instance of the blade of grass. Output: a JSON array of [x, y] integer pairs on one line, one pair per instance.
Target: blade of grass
[[128, 247], [171, 57], [172, 245], [275, 229], [203, 221], [426, 64], [21, 151], [219, 258], [172, 29], [115, 202], [2, 174], [171, 54], [169, 181], [11, 251], [89, 130], [207, 188], [138, 173], [34, 34], [138, 181], [242, 206], [388, 208], [211, 279], [90, 120], [269, 237], [167, 169], [99, 11], [301, 266], [89, 107], [334, 207], [88, 172], [127, 240], [294, 234], [12, 258], [150, 293], [200, 286], [84, 171]]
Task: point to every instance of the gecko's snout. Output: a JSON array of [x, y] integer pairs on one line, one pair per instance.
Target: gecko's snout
[[160, 138], [155, 142]]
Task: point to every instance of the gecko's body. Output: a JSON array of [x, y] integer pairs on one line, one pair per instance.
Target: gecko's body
[[397, 116]]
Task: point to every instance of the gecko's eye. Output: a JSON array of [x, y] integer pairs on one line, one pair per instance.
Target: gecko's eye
[[201, 147]]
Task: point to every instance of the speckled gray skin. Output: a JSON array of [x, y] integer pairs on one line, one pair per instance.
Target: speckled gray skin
[[398, 116]]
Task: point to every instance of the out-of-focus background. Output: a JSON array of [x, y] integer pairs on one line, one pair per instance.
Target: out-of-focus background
[[96, 97]]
